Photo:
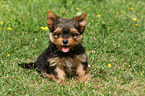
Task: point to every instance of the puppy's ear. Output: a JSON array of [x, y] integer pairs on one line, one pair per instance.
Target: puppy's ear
[[82, 20], [51, 18]]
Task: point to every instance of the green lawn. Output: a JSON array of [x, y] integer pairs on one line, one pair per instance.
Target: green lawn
[[114, 35]]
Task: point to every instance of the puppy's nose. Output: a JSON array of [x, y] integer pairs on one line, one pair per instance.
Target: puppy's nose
[[65, 41]]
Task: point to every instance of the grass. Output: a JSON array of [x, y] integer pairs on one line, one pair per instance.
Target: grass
[[112, 36]]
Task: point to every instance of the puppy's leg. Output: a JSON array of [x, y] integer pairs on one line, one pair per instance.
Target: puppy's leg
[[82, 73], [60, 75]]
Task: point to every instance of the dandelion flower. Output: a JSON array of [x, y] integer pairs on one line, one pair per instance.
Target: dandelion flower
[[0, 28], [109, 65], [131, 8], [77, 8], [98, 15], [9, 10], [100, 93], [136, 24], [9, 28], [134, 19], [1, 23], [8, 54], [46, 28], [42, 28], [117, 12]]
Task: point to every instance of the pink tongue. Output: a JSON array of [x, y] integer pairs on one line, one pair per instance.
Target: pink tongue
[[65, 49]]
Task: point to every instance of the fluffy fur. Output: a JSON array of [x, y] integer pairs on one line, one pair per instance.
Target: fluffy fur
[[65, 56]]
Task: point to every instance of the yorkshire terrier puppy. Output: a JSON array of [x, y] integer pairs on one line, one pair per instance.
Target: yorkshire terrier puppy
[[65, 55]]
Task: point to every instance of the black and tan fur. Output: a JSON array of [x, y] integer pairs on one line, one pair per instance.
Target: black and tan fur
[[65, 56]]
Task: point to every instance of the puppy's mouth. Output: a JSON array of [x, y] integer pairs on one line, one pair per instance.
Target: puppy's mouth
[[65, 48]]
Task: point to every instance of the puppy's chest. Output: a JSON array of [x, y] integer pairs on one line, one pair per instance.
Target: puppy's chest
[[67, 63]]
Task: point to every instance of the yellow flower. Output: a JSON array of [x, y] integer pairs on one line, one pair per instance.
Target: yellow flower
[[8, 54], [9, 10], [134, 19], [1, 6], [136, 24], [109, 65], [46, 28], [9, 28], [2, 23], [98, 15], [42, 28], [77, 8], [100, 93], [117, 12], [0, 28], [131, 8]]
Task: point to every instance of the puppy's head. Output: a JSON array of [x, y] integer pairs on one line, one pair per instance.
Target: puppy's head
[[66, 33]]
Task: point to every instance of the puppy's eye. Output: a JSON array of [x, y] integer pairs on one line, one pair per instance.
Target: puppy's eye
[[75, 35], [56, 35]]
